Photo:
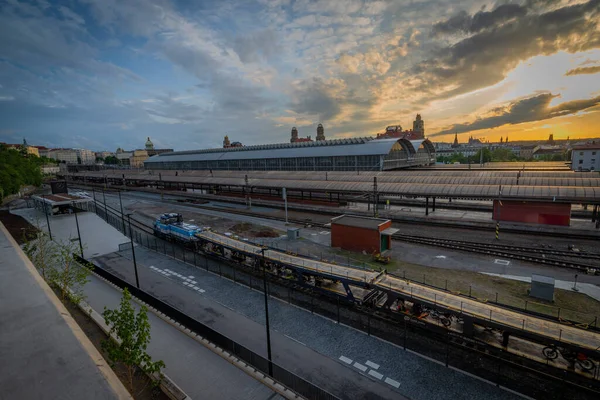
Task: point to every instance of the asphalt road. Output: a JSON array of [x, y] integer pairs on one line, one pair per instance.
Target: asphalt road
[[306, 344]]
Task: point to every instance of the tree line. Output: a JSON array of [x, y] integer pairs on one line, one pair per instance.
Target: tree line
[[17, 169]]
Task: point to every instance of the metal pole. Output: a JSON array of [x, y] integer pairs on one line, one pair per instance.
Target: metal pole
[[267, 313], [137, 279], [105, 210], [47, 219], [122, 219], [285, 198], [78, 232]]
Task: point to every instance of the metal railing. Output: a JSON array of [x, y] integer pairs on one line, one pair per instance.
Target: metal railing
[[280, 374]]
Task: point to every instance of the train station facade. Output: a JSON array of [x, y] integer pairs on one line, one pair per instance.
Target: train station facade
[[356, 154]]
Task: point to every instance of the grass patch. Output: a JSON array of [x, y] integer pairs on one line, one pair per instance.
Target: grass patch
[[573, 306]]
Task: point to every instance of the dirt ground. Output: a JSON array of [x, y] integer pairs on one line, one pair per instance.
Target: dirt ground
[[142, 385], [243, 229], [18, 227]]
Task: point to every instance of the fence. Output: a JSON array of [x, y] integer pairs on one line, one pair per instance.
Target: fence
[[497, 366], [282, 375]]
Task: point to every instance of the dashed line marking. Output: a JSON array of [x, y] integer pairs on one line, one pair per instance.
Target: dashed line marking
[[372, 365], [346, 360], [501, 262], [392, 382], [375, 374], [360, 366]]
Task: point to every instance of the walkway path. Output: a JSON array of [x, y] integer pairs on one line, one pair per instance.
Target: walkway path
[[44, 353]]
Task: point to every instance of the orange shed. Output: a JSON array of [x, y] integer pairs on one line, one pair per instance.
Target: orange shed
[[354, 233]]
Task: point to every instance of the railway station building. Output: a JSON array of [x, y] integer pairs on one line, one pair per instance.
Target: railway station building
[[354, 233], [355, 154]]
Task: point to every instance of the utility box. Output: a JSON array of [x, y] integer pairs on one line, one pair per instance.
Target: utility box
[[542, 287], [293, 233]]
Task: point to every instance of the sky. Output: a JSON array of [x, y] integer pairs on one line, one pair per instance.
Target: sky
[[102, 74]]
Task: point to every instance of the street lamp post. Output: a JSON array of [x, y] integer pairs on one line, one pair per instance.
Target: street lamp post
[[105, 210], [137, 279], [267, 313], [47, 219], [122, 219], [78, 231]]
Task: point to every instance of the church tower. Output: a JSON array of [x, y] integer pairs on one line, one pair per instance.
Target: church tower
[[149, 144], [419, 126], [455, 144], [294, 135], [320, 132], [226, 142]]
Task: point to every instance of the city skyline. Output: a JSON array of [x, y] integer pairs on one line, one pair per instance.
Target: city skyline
[[107, 74]]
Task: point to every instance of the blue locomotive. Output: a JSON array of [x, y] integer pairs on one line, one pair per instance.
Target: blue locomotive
[[170, 226]]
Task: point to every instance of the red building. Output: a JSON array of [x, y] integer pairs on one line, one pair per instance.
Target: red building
[[532, 212], [362, 233], [396, 132]]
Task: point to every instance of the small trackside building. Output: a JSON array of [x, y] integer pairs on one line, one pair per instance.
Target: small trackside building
[[362, 233]]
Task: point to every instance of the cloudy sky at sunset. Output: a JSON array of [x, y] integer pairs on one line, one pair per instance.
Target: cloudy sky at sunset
[[106, 73]]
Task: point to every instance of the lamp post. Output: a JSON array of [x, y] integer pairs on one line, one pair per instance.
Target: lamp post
[[47, 219], [104, 199], [267, 312], [137, 280], [122, 219], [78, 231]]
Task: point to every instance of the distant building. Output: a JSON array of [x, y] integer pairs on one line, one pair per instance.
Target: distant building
[[152, 151], [395, 131], [320, 132], [137, 158], [227, 144], [296, 139], [73, 156], [586, 157], [29, 149], [545, 150], [50, 169], [455, 144], [526, 152]]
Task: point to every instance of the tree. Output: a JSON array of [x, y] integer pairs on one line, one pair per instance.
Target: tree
[[69, 275], [112, 160], [132, 337], [487, 155], [43, 253], [503, 154]]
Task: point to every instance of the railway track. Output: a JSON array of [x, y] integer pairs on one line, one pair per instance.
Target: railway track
[[534, 255], [514, 252]]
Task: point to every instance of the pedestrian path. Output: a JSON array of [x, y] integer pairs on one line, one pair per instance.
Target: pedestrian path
[[198, 371], [44, 353]]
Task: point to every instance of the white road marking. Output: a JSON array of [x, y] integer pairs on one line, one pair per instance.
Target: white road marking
[[346, 360], [360, 366], [201, 290], [324, 233], [392, 382], [375, 374], [372, 365], [440, 256], [295, 340], [501, 262]]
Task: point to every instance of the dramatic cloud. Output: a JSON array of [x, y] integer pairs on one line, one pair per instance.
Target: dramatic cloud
[[108, 73], [535, 108], [465, 23], [583, 71]]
